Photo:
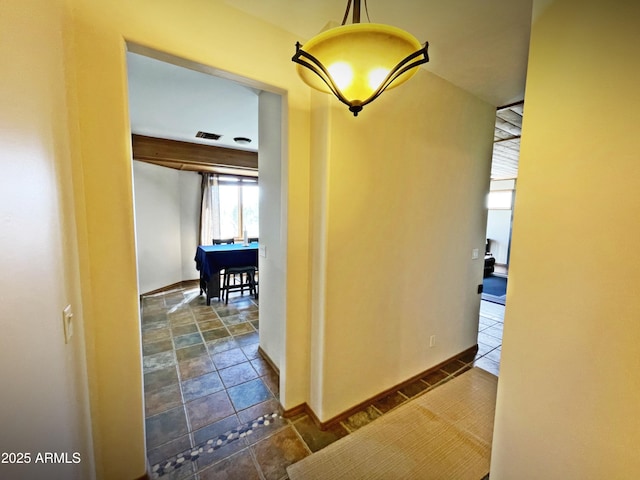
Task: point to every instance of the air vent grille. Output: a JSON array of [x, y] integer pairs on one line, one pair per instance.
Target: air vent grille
[[208, 136]]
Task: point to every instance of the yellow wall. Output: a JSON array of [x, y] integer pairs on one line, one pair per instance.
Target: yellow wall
[[44, 404], [404, 191], [206, 32], [441, 139], [569, 390]]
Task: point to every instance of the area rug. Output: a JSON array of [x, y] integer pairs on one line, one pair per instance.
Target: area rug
[[494, 289], [443, 434]]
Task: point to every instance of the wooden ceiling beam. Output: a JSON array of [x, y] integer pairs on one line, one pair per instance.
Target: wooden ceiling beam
[[190, 156]]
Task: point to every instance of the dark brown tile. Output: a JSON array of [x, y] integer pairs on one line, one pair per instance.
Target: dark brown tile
[[414, 388], [157, 347], [181, 319], [237, 374], [240, 328], [453, 367], [160, 378], [215, 334], [468, 358], [389, 402], [148, 327], [210, 324], [194, 367], [155, 335], [153, 318], [205, 315], [206, 410], [434, 377], [315, 438], [184, 329], [191, 352], [277, 452], [361, 418], [239, 466], [158, 401]]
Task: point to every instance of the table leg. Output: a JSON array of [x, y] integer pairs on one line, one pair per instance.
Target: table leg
[[213, 287]]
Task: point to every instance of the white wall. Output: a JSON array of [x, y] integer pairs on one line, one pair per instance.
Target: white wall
[[166, 209], [44, 404], [499, 223], [190, 200]]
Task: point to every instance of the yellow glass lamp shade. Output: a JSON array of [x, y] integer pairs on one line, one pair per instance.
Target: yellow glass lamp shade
[[358, 62]]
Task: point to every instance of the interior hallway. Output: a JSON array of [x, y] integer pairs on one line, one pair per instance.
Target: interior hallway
[[211, 400]]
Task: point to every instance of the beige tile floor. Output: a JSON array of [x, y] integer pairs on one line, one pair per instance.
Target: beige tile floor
[[211, 401]]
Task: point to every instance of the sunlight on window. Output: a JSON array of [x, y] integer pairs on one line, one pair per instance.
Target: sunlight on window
[[250, 209], [229, 221], [238, 207], [500, 200]]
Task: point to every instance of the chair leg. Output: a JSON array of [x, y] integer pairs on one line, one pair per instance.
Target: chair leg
[[225, 289]]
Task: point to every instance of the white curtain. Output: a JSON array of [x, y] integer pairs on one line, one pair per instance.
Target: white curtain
[[210, 211]]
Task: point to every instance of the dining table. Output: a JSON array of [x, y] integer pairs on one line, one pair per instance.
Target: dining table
[[212, 259]]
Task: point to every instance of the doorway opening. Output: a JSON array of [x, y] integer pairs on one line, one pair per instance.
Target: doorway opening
[[500, 203], [208, 369]]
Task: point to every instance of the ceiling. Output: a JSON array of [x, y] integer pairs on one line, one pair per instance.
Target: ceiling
[[478, 45], [506, 142]]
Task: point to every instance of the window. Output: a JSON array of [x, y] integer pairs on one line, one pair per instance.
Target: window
[[238, 207], [500, 200]]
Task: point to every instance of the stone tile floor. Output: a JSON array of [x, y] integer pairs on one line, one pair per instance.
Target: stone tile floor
[[211, 401]]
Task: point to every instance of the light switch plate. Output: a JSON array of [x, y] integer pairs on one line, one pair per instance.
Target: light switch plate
[[67, 317], [475, 253], [262, 251]]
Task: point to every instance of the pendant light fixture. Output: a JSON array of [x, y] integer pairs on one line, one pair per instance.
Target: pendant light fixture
[[358, 62]]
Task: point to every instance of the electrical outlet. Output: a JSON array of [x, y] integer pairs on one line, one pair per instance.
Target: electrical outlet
[[67, 317], [432, 341]]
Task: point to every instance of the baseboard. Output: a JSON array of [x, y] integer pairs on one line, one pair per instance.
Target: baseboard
[[173, 286], [267, 359], [305, 409]]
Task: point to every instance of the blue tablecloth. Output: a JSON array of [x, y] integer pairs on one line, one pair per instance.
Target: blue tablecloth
[[211, 259]]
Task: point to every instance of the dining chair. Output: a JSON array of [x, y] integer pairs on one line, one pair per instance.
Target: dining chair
[[223, 241], [230, 283]]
